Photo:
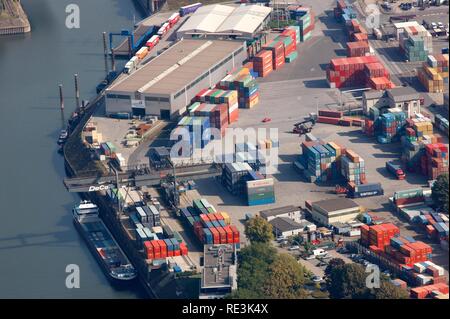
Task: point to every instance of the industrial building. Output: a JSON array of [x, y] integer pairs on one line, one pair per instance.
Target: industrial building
[[219, 276], [331, 211], [285, 227], [405, 98], [292, 212], [165, 85], [220, 21]]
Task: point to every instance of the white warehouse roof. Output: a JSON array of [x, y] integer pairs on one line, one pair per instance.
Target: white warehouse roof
[[226, 19]]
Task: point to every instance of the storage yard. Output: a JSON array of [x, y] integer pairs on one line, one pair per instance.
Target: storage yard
[[368, 139]]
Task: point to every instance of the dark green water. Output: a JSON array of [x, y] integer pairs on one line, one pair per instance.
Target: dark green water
[[37, 237]]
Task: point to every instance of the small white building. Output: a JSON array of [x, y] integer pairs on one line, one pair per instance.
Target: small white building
[[405, 98], [291, 211], [286, 227], [332, 211]]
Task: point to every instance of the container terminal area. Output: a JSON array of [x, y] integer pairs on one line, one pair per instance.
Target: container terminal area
[[331, 130]]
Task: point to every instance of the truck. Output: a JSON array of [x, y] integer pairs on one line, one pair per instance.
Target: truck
[[319, 252], [396, 170], [365, 190]]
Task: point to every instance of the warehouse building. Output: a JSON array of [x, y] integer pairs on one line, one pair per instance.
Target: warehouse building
[[165, 85], [292, 212], [331, 211], [220, 21], [403, 97], [219, 276], [284, 227]]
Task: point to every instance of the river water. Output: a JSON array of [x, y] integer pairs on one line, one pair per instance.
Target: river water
[[37, 237]]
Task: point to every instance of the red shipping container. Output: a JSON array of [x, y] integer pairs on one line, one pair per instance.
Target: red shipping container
[[177, 252], [222, 234], [183, 249], [216, 236], [156, 249], [163, 247], [327, 120], [236, 236], [329, 113]]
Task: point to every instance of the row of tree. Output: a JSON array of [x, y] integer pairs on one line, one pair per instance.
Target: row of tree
[[349, 281]]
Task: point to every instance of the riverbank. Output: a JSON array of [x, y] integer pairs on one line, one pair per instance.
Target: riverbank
[[13, 19]]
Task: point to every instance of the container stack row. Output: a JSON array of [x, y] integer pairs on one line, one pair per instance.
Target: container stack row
[[435, 225], [163, 248], [357, 72], [320, 160], [418, 133], [416, 43], [210, 226], [235, 176], [385, 239], [263, 63], [277, 49], [353, 168], [359, 48], [217, 114], [390, 125], [218, 96], [198, 128], [435, 160], [304, 17], [245, 84], [430, 291], [434, 73]]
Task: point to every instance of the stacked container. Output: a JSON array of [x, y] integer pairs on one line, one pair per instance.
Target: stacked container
[[416, 43], [163, 248], [390, 125], [378, 235], [217, 113], [435, 160], [321, 160], [197, 126], [355, 49], [434, 73], [245, 84], [277, 49], [263, 63], [210, 226], [426, 291], [235, 176], [353, 168], [351, 72], [218, 96], [260, 190]]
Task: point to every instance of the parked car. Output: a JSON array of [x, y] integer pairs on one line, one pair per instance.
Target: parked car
[[295, 247], [317, 279]]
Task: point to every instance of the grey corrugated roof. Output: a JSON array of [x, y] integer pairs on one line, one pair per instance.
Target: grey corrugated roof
[[332, 205], [277, 211], [403, 93], [373, 94], [285, 224]]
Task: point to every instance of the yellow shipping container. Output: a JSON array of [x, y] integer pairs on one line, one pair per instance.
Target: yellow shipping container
[[226, 218]]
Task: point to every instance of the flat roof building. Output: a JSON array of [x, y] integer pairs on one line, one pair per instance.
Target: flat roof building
[[219, 276], [331, 211], [291, 211], [225, 21], [165, 85], [285, 227]]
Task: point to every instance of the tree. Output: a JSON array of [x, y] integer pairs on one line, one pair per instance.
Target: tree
[[347, 281], [253, 269], [286, 279], [333, 264], [388, 290], [258, 229], [439, 192]]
